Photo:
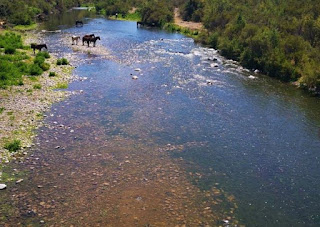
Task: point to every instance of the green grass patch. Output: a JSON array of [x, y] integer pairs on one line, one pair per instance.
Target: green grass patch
[[52, 74], [2, 109], [136, 16], [62, 61], [25, 27], [37, 86], [61, 86], [35, 70], [12, 64], [13, 146], [33, 78]]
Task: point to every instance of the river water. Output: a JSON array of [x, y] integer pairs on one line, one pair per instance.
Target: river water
[[194, 140]]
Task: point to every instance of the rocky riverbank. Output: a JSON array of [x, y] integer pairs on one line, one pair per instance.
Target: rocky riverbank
[[23, 107]]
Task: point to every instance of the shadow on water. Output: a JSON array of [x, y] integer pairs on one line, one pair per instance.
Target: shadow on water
[[246, 143]]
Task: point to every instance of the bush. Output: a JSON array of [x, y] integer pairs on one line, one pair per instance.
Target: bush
[[59, 62], [37, 86], [52, 74], [45, 66], [44, 54], [35, 70], [39, 60], [13, 146], [64, 61], [9, 50]]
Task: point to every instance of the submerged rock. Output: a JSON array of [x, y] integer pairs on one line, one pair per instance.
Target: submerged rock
[[134, 77], [3, 186]]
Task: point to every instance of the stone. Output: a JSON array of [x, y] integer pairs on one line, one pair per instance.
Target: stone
[[137, 69], [19, 181], [3, 186], [134, 77]]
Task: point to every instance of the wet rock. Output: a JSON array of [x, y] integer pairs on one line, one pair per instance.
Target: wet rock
[[134, 77], [137, 69], [57, 147], [252, 77], [3, 186]]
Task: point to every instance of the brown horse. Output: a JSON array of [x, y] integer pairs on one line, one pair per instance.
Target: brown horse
[[75, 39], [38, 47], [90, 39]]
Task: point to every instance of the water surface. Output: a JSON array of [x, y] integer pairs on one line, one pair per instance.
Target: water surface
[[251, 139]]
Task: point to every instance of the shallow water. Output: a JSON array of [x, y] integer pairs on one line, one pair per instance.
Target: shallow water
[[246, 147]]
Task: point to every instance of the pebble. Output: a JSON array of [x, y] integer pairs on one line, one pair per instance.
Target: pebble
[[134, 77], [137, 69], [3, 186], [19, 181]]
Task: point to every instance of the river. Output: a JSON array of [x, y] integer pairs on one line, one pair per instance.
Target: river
[[195, 140]]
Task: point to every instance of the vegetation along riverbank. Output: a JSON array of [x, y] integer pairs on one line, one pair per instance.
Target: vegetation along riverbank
[[277, 38], [29, 84]]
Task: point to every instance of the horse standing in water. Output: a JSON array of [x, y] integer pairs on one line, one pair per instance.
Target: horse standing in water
[[75, 39], [38, 47], [79, 23], [90, 39]]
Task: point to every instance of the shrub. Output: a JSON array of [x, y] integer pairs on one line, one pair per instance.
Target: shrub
[[64, 61], [45, 66], [44, 54], [59, 62], [39, 60], [35, 70], [37, 86], [61, 86], [52, 74], [9, 50], [13, 146]]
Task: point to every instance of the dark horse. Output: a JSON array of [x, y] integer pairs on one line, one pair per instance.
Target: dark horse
[[38, 47], [90, 39], [141, 24], [79, 23]]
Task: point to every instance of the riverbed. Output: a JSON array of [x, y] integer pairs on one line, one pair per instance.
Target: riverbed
[[165, 133]]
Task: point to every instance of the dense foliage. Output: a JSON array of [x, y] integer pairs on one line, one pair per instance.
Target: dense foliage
[[24, 12], [157, 13], [281, 38]]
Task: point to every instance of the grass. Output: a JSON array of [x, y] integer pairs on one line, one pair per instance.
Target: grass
[[52, 74], [62, 61], [37, 86], [33, 78], [25, 27], [186, 31], [2, 109], [13, 146], [61, 86], [136, 16]]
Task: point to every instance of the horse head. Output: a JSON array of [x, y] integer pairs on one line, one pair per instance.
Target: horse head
[[97, 37]]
